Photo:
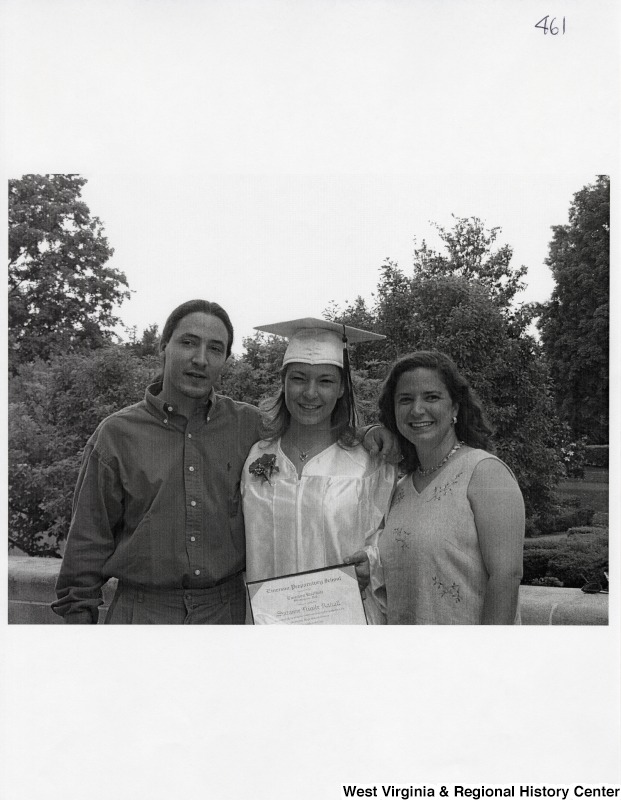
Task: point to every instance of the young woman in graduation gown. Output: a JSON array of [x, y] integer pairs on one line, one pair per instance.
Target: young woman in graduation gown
[[312, 495]]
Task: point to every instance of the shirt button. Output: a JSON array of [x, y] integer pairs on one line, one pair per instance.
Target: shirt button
[[191, 469], [197, 572], [189, 435], [192, 538], [208, 418], [192, 502], [165, 422], [169, 408]]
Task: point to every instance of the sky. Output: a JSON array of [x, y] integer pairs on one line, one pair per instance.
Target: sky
[[271, 248], [270, 155]]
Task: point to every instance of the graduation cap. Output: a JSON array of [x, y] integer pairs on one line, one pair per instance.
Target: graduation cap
[[317, 341]]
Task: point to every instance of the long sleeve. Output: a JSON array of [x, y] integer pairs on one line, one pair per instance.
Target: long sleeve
[[97, 510]]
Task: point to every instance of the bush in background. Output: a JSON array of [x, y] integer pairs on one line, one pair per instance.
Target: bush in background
[[583, 559], [596, 455], [547, 582], [54, 407], [573, 560], [562, 518], [573, 455]]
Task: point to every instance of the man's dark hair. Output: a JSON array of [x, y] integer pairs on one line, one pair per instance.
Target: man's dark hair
[[190, 307]]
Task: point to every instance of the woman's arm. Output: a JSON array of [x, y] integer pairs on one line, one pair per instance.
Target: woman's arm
[[498, 509], [373, 506], [379, 441]]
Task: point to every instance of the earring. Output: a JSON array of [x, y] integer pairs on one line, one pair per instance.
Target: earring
[[454, 420]]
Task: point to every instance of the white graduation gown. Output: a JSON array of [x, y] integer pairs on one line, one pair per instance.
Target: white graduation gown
[[334, 509]]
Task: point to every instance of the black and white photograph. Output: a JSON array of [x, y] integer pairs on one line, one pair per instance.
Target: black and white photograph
[[311, 327]]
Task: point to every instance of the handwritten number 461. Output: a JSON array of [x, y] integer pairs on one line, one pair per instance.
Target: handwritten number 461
[[551, 28]]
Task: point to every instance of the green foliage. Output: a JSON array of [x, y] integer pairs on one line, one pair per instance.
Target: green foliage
[[369, 357], [255, 376], [547, 581], [573, 455], [559, 519], [582, 560], [148, 344], [470, 255], [367, 391], [586, 530], [536, 560], [573, 560], [575, 322], [54, 408], [600, 519], [596, 455], [458, 302], [61, 293]]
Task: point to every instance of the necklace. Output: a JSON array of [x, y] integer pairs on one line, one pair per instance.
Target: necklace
[[428, 471], [308, 449], [304, 455]]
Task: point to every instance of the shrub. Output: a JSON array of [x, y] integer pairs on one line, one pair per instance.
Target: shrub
[[573, 455], [561, 519], [367, 392], [536, 560], [596, 455], [572, 560], [547, 582], [575, 566], [586, 531], [54, 408]]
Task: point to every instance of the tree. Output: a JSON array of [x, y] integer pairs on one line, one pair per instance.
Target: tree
[[255, 376], [470, 255], [370, 356], [61, 292], [461, 302], [148, 345], [574, 324]]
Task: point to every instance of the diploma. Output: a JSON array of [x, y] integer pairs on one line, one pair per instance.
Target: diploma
[[328, 596]]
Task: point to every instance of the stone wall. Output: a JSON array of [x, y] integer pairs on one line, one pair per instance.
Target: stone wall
[[31, 590]]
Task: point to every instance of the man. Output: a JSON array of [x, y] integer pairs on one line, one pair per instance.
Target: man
[[157, 503]]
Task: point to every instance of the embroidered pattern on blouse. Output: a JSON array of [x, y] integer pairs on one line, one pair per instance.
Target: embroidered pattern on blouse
[[441, 491], [452, 590], [401, 535]]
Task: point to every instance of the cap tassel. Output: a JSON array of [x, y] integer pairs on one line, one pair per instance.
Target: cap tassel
[[348, 384]]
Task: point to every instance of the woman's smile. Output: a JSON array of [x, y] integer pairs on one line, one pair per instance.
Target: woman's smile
[[311, 392], [424, 410]]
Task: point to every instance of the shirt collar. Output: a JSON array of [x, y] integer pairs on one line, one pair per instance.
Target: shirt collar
[[162, 409]]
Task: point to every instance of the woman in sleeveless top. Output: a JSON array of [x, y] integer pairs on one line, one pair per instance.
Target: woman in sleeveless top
[[451, 550]]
